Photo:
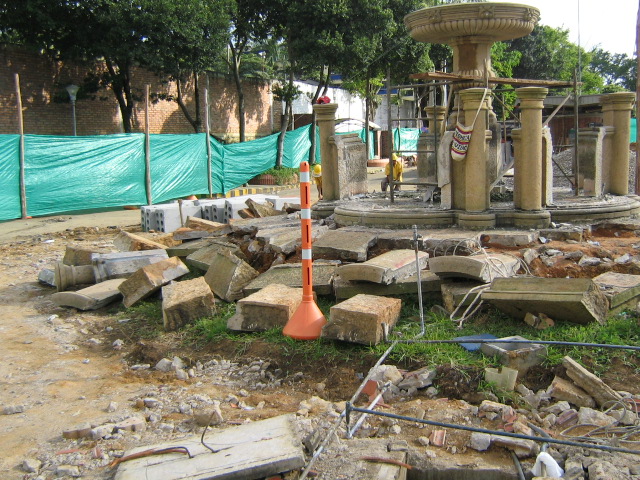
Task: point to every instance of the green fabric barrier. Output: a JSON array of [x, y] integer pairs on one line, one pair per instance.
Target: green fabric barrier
[[296, 147], [64, 174], [243, 161], [178, 166], [634, 130], [10, 177], [406, 139]]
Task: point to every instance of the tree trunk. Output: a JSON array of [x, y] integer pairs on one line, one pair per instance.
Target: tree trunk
[[235, 60], [195, 123], [366, 118], [121, 88]]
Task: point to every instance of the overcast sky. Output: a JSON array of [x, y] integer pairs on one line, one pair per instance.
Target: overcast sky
[[610, 23]]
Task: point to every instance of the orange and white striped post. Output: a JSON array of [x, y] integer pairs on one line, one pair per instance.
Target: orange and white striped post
[[307, 321]]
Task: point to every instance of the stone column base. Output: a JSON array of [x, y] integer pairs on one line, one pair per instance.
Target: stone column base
[[476, 221], [323, 209], [534, 219]]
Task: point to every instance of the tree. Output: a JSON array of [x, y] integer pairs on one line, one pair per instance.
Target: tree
[[617, 69]]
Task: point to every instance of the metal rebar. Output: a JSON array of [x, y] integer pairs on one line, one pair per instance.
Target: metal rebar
[[416, 236], [372, 404]]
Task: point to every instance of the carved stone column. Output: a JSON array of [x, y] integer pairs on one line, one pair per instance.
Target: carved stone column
[[616, 112], [326, 118]]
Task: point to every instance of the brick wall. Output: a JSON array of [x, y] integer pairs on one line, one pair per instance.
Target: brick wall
[[48, 111]]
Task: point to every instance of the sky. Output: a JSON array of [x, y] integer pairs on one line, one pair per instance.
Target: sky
[[611, 24]]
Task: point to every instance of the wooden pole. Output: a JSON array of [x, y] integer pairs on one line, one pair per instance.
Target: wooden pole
[[206, 129], [390, 132], [521, 82], [637, 182], [147, 145], [23, 189], [576, 127]]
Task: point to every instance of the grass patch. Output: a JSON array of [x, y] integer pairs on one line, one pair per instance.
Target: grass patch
[[144, 320]]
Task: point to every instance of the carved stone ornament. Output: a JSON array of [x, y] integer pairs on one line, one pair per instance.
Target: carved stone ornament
[[531, 15], [487, 11], [434, 16]]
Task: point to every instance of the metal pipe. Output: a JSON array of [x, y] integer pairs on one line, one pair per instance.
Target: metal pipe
[[373, 403], [542, 342], [415, 246], [350, 408]]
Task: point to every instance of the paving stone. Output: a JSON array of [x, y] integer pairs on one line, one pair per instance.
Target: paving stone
[[576, 300], [481, 268], [522, 448], [621, 289], [228, 275], [202, 258], [455, 290], [400, 239], [185, 302], [562, 389], [507, 239], [362, 319], [386, 268], [539, 322], [130, 242], [529, 255], [438, 438], [345, 244], [600, 391], [123, 264], [563, 234], [90, 298], [430, 284], [287, 239], [290, 274], [268, 308], [261, 210], [76, 255], [518, 356], [149, 279]]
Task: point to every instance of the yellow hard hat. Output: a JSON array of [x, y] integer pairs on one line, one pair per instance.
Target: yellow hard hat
[[317, 170]]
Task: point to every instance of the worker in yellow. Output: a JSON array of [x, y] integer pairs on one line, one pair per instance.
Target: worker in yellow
[[317, 177], [394, 165]]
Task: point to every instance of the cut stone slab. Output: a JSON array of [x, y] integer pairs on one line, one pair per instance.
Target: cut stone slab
[[254, 450], [521, 447], [186, 302], [621, 289], [262, 210], [455, 290], [130, 242], [287, 239], [252, 225], [123, 264], [386, 268], [563, 234], [202, 258], [508, 239], [577, 300], [342, 244], [149, 279], [90, 298], [290, 274], [195, 223], [362, 319], [47, 276], [564, 390], [268, 308], [482, 268], [228, 275], [518, 356], [76, 255], [600, 391], [430, 286], [187, 248]]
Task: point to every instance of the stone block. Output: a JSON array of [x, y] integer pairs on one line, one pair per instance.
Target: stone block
[[65, 276], [418, 379], [362, 319], [562, 389], [185, 302], [149, 279], [576, 300], [268, 308], [567, 418], [261, 210], [589, 416], [480, 441], [600, 391], [251, 226], [343, 244], [123, 264], [204, 225], [504, 379], [519, 356], [290, 274], [76, 255], [454, 292], [133, 424], [47, 276], [79, 431], [482, 268], [521, 447], [621, 289], [228, 275], [430, 284], [563, 234], [130, 242], [90, 298], [187, 248], [386, 268], [202, 258], [508, 239]]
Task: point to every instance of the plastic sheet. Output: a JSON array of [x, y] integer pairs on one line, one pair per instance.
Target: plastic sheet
[[406, 140], [9, 177]]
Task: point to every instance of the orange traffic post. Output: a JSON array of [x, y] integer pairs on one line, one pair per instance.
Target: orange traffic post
[[307, 321]]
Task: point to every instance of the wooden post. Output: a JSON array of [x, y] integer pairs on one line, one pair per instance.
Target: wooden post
[[147, 145], [23, 189], [637, 185], [390, 132], [206, 129], [576, 127]]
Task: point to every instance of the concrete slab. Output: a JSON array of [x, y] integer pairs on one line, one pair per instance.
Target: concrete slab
[[518, 356], [203, 224], [621, 289], [386, 268], [344, 244], [90, 298], [430, 286], [186, 302], [187, 248], [123, 264], [202, 258], [254, 450], [150, 278], [362, 319], [594, 386], [268, 308], [261, 210], [290, 274], [563, 390], [130, 242], [287, 239], [577, 300], [507, 238], [482, 268], [76, 255], [228, 275], [251, 226]]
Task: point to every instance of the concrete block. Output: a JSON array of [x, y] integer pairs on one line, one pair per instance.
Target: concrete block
[[76, 255], [149, 279], [621, 289], [563, 234], [186, 302], [66, 276], [233, 205], [600, 391], [504, 379], [130, 242], [564, 390], [90, 298], [279, 202], [508, 239], [342, 244], [123, 264], [212, 209], [170, 217], [290, 274], [148, 219], [482, 268], [268, 308], [518, 356], [228, 275], [202, 258], [576, 300], [362, 319], [430, 283], [386, 268]]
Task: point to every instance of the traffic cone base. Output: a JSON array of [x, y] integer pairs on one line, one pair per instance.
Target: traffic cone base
[[306, 323]]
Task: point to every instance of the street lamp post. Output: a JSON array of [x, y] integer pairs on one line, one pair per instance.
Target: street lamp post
[[73, 91]]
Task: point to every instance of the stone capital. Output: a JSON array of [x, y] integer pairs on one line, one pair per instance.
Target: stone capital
[[471, 98], [325, 111], [618, 100], [531, 97]]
